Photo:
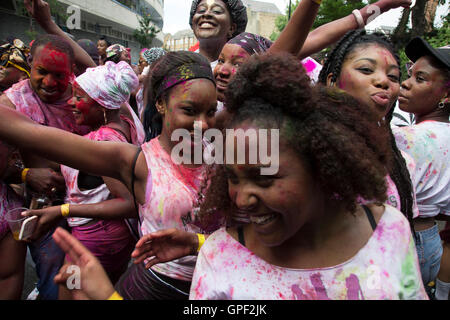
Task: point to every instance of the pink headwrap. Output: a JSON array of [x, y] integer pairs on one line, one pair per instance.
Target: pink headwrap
[[110, 85]]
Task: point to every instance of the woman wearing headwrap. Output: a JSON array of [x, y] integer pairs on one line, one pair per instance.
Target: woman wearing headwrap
[[214, 22], [96, 206], [117, 53], [14, 66]]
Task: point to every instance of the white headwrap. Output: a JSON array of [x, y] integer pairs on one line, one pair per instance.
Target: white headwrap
[[110, 85]]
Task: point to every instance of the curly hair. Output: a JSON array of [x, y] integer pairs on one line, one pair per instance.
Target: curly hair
[[397, 169], [342, 144]]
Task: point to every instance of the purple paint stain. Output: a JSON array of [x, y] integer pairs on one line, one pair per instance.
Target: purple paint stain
[[321, 292], [353, 288], [298, 293]]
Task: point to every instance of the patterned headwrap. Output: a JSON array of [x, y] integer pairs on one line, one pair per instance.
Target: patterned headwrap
[[15, 54], [110, 85], [153, 54], [237, 10], [185, 73], [252, 43], [113, 52]]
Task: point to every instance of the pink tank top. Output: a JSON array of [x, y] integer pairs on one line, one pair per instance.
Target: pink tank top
[[76, 196], [170, 198]]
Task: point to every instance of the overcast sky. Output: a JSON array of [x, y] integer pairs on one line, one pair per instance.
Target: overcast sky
[[176, 14]]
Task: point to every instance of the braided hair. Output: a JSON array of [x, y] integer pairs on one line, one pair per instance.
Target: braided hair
[[397, 170]]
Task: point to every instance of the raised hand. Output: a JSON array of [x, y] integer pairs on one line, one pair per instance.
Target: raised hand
[[94, 282], [165, 245], [45, 181], [39, 10]]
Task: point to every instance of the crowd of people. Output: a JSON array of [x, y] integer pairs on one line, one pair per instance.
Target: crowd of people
[[87, 144]]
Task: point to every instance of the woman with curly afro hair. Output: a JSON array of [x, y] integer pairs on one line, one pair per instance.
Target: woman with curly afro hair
[[331, 153], [308, 236]]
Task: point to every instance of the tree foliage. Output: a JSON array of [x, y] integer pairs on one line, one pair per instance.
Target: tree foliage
[[146, 32], [329, 10]]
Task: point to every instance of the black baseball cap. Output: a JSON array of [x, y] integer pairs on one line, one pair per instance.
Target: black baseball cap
[[418, 48]]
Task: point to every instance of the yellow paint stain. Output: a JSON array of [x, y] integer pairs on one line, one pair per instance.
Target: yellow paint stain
[[161, 206]]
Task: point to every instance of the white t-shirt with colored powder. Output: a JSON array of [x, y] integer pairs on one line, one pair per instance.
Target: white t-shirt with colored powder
[[428, 143], [385, 268]]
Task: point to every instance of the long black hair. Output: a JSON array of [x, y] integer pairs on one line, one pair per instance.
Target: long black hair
[[398, 170]]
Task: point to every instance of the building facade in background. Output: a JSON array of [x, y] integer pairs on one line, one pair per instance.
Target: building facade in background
[[114, 19], [261, 17], [261, 20]]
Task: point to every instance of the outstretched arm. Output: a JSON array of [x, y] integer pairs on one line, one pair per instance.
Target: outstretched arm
[[296, 31], [120, 207], [40, 10], [103, 158], [331, 32]]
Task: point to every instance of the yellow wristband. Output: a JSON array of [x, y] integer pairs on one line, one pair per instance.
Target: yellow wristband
[[115, 296], [317, 1], [24, 174], [65, 210], [201, 240]]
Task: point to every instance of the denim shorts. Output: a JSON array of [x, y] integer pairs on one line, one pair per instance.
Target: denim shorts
[[429, 251]]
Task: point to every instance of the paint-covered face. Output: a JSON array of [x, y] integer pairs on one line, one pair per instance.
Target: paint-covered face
[[371, 75], [193, 100], [101, 47], [277, 205], [425, 88], [230, 59], [125, 56], [212, 20], [9, 76], [51, 72], [85, 109], [142, 63]]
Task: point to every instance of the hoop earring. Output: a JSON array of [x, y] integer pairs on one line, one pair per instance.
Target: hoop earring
[[441, 105], [104, 117]]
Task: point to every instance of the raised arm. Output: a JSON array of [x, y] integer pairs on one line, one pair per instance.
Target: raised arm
[[329, 33], [296, 31], [40, 11]]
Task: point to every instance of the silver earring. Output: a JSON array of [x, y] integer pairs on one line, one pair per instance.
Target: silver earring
[[441, 105]]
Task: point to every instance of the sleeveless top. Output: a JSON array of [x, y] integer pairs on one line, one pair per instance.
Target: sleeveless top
[[170, 198], [76, 196]]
